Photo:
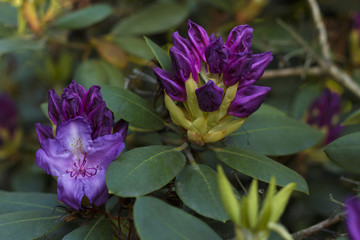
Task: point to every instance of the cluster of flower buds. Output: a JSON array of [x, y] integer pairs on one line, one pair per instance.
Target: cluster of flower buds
[[323, 113], [84, 142], [252, 222], [10, 134], [214, 82], [352, 207]]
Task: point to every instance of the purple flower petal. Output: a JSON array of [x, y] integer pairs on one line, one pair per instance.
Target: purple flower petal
[[70, 192], [182, 65], [238, 69], [239, 39], [352, 207], [8, 113], [73, 89], [105, 149], [92, 98], [54, 107], [75, 136], [43, 132], [217, 56], [175, 89], [247, 100], [53, 158], [209, 97], [185, 46], [333, 133], [95, 188], [199, 38], [101, 120], [121, 126], [259, 63]]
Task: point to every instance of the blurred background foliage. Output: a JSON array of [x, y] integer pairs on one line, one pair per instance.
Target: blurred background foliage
[[45, 44]]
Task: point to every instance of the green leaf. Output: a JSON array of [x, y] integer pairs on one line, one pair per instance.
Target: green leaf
[[134, 46], [260, 167], [98, 229], [345, 152], [160, 55], [8, 14], [132, 108], [28, 225], [19, 202], [98, 72], [353, 119], [85, 17], [157, 18], [18, 44], [143, 170], [156, 220], [197, 187], [274, 134]]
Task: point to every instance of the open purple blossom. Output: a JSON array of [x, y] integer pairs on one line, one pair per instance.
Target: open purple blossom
[[323, 113], [85, 143], [352, 207], [213, 78]]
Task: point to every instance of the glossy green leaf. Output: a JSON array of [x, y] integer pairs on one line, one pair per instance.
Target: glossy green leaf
[[345, 152], [29, 224], [197, 187], [160, 55], [97, 229], [260, 167], [156, 18], [134, 109], [134, 46], [156, 220], [98, 72], [143, 170], [84, 18], [18, 44], [19, 202], [274, 134]]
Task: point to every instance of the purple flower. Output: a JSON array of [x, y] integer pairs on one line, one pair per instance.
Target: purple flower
[[78, 161], [213, 78], [352, 207], [209, 97], [323, 113], [247, 100], [86, 142]]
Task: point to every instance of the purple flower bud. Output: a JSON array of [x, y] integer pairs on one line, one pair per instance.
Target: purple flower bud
[[259, 63], [54, 107], [352, 208], [185, 46], [238, 69], [199, 38], [239, 39], [182, 66], [247, 100], [43, 132], [217, 56], [174, 88], [209, 97]]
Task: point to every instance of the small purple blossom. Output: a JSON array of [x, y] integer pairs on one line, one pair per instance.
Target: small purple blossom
[[323, 112], [86, 141], [8, 115], [209, 97], [352, 207]]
